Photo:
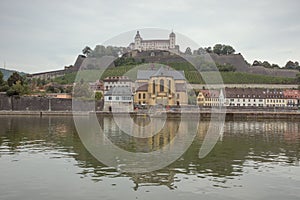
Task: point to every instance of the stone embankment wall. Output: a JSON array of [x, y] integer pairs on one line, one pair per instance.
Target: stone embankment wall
[[28, 103]]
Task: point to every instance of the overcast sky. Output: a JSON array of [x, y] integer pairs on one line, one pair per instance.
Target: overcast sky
[[47, 35]]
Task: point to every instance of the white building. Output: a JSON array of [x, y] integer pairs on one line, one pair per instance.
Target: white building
[[275, 98], [160, 44], [118, 99], [245, 97]]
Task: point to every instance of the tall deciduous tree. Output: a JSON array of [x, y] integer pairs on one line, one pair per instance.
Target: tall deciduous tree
[[14, 78], [227, 50], [218, 49], [18, 89], [222, 49]]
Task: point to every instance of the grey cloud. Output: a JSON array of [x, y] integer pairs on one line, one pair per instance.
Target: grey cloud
[[46, 35]]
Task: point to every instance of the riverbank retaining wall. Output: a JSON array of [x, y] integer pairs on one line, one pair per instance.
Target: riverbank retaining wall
[[29, 103]]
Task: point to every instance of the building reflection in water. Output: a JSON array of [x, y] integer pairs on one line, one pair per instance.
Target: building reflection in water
[[135, 144], [245, 144]]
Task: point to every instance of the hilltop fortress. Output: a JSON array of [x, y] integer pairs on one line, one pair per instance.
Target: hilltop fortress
[[161, 51], [157, 44]]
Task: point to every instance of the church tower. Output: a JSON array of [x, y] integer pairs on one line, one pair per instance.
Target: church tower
[[138, 41], [172, 38]]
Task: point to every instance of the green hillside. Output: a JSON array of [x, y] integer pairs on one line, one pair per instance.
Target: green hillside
[[192, 76]]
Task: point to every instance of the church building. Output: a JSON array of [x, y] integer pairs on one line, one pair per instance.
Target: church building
[[161, 87]]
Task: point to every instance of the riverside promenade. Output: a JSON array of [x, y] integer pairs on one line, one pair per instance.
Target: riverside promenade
[[205, 114]]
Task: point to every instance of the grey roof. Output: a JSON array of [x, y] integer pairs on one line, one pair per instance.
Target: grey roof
[[157, 40], [142, 87], [259, 93], [119, 91], [147, 74]]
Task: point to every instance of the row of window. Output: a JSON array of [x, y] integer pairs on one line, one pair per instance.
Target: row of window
[[213, 99], [161, 86], [249, 100], [124, 98], [211, 104], [118, 83], [109, 87], [275, 101], [244, 104], [143, 96]]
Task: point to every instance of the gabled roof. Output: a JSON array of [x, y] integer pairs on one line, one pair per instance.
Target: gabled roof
[[292, 94], [210, 93], [142, 87], [161, 72]]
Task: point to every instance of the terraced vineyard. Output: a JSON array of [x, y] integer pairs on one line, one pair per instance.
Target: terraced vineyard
[[192, 76]]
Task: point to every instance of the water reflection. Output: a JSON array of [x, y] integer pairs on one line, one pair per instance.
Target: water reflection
[[142, 144], [244, 146]]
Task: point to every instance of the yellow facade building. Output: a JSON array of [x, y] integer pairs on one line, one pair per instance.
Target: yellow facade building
[[161, 87], [210, 98]]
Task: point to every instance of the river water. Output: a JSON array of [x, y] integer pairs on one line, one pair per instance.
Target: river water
[[44, 158]]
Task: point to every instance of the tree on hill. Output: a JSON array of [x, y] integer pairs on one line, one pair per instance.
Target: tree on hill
[[227, 50], [292, 65], [208, 49], [101, 50], [265, 64], [125, 61], [222, 49], [275, 66], [217, 49], [14, 78], [199, 51], [256, 63], [87, 51]]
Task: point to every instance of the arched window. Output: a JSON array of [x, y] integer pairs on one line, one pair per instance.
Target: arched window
[[169, 85], [161, 85], [153, 87]]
